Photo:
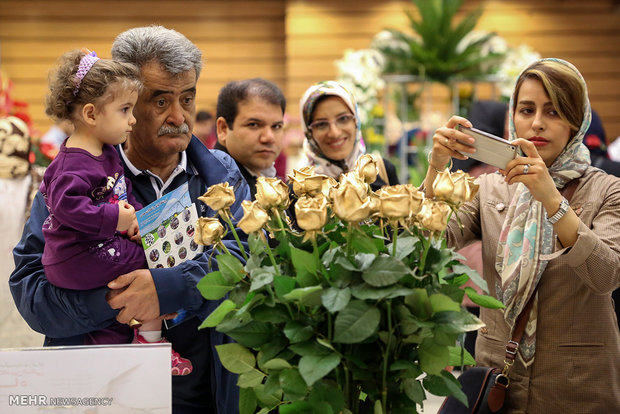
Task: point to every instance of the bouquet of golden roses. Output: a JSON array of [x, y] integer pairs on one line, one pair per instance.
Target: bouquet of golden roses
[[356, 307]]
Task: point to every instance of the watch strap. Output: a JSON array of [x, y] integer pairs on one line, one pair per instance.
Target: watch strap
[[564, 206]]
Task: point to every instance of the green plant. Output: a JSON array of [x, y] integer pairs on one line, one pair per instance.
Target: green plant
[[439, 48], [360, 312]]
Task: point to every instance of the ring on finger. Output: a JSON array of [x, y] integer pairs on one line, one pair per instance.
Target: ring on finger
[[526, 168], [447, 142]]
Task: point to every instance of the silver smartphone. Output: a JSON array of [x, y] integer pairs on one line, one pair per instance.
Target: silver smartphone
[[490, 149]]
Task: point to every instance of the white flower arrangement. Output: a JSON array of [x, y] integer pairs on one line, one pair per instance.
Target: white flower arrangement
[[359, 71], [517, 58]]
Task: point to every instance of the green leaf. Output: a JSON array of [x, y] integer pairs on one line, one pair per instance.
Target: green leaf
[[413, 390], [298, 295], [419, 304], [218, 314], [363, 260], [483, 300], [304, 262], [252, 335], [356, 322], [261, 277], [275, 314], [231, 267], [309, 347], [312, 368], [433, 357], [283, 285], [293, 384], [297, 407], [442, 303], [472, 274], [236, 358], [276, 364], [268, 400], [384, 271], [363, 244], [321, 393], [298, 332], [445, 384], [250, 379], [272, 383], [335, 299], [214, 286], [454, 386], [365, 291], [271, 349], [345, 263], [257, 245], [457, 359], [405, 245], [247, 401]]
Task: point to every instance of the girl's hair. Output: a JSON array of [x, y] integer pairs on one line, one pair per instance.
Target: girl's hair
[[62, 100], [564, 87]]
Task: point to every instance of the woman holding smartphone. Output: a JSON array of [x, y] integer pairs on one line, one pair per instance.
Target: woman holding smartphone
[[536, 243]]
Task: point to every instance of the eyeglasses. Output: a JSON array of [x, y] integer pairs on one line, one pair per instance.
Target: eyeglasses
[[322, 126]]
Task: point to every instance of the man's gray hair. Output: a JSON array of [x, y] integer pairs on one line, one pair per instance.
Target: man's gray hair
[[172, 50]]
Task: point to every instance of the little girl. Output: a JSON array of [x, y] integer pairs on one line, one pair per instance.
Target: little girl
[[91, 234]]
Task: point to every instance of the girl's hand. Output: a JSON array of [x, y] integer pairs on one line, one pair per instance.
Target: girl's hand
[[126, 215], [445, 145], [533, 173], [133, 232]]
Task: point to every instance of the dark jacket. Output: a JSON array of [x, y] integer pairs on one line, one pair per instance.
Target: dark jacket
[[64, 316], [249, 177]]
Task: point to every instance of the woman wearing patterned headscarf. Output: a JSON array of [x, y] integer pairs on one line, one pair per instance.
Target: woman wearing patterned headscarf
[[333, 137], [535, 243]]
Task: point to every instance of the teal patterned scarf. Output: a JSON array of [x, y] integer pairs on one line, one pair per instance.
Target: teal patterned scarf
[[527, 236]]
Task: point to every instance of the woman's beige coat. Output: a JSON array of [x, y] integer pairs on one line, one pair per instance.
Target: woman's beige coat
[[577, 362]]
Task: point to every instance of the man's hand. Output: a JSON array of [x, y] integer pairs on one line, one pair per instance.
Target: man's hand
[[135, 295]]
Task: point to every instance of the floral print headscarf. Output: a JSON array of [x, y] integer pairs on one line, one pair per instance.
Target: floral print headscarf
[[312, 151], [527, 237]]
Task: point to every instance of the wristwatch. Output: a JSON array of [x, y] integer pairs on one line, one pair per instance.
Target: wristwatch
[[564, 206]]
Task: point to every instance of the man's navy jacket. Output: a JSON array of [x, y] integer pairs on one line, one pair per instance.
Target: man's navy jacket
[[63, 316]]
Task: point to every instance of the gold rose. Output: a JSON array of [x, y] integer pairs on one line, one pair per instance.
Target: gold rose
[[272, 195], [253, 221], [367, 168], [220, 197], [209, 232]]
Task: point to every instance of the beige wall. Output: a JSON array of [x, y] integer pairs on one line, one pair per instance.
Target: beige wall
[[293, 42]]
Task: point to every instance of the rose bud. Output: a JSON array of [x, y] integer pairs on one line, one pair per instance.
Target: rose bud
[[298, 178], [395, 202], [434, 215], [311, 212], [254, 217], [348, 204], [271, 192], [367, 168], [219, 196], [209, 231]]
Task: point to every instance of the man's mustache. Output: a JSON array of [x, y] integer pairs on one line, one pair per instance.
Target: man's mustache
[[173, 130]]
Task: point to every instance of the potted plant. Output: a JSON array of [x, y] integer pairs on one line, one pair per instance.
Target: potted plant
[[438, 48], [357, 310]]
